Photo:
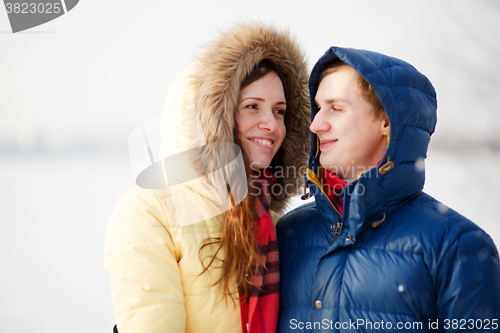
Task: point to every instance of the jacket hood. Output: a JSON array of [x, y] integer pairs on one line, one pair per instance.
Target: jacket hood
[[409, 100], [201, 104]]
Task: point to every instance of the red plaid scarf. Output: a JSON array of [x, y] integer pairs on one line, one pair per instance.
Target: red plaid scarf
[[260, 313]]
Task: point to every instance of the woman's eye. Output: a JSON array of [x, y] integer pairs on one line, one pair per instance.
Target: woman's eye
[[336, 109], [251, 106], [280, 111]]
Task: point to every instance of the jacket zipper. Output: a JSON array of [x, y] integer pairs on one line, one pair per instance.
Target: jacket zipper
[[338, 230], [311, 176]]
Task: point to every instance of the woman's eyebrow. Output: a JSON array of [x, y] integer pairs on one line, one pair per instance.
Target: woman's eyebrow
[[259, 99], [256, 98]]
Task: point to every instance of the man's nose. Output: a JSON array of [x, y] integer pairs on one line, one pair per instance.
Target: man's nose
[[318, 124]]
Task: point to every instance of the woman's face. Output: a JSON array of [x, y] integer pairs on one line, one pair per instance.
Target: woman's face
[[261, 119]]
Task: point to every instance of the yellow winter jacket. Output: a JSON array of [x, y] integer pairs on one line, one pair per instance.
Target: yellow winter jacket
[[154, 268], [152, 257]]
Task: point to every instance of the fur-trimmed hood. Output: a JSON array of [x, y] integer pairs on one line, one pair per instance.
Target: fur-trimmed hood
[[202, 102]]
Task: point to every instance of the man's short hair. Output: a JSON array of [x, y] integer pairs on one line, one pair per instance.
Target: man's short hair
[[363, 88]]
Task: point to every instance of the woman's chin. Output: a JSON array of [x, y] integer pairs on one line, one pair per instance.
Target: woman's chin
[[260, 163]]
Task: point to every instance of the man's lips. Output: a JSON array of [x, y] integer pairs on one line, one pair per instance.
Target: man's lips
[[262, 142], [323, 144]]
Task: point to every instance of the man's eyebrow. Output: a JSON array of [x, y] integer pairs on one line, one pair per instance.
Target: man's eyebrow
[[331, 101]]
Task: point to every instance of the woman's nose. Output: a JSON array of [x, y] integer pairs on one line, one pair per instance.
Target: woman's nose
[[268, 121]]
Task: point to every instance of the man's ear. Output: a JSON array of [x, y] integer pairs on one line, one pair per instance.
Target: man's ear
[[386, 125]]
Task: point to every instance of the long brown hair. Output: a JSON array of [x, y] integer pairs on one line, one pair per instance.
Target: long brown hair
[[239, 239]]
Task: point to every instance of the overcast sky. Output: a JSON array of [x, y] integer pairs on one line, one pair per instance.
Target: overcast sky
[[88, 78]]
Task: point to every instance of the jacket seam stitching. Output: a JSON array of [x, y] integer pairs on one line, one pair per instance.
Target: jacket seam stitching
[[381, 69]]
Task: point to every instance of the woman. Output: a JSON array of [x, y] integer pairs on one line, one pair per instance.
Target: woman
[[219, 274]]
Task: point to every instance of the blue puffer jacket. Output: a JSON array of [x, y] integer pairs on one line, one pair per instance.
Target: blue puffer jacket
[[423, 268]]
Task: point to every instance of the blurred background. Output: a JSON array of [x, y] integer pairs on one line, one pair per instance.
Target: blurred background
[[73, 89]]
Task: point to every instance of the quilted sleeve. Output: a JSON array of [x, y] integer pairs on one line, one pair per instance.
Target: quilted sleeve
[[141, 260], [468, 285]]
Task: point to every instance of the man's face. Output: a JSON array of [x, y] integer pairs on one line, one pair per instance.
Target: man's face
[[351, 138]]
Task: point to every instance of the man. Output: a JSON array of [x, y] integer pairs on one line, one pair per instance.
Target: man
[[373, 253]]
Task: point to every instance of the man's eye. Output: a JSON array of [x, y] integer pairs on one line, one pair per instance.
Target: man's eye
[[336, 109]]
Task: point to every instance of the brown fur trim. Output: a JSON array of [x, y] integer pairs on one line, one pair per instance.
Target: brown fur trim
[[219, 71]]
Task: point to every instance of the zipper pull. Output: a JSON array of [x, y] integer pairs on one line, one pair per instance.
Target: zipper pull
[[306, 195], [338, 230], [383, 169]]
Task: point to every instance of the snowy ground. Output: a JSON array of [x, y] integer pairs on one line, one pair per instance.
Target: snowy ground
[[53, 218]]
